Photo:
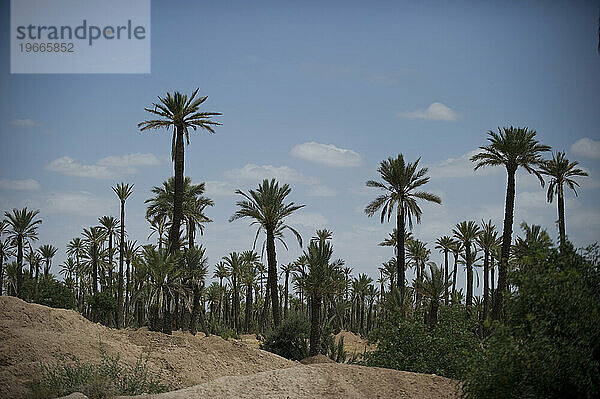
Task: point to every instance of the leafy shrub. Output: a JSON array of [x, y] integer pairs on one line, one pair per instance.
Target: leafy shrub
[[447, 350], [103, 306], [222, 330], [50, 292], [550, 344], [290, 338], [96, 381]]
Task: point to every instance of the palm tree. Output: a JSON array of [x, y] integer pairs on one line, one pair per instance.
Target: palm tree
[[561, 171], [123, 191], [286, 269], [158, 225], [75, 248], [400, 182], [467, 233], [234, 266], [433, 287], [47, 252], [221, 272], [487, 240], [536, 242], [266, 206], [23, 227], [512, 148], [194, 202], [110, 225], [323, 277], [419, 254], [196, 268], [4, 253], [456, 248], [444, 244], [182, 114], [94, 237], [248, 277], [131, 253]]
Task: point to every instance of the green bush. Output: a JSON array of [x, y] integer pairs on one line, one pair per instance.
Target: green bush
[[102, 306], [448, 350], [96, 381], [290, 338], [550, 344], [50, 292]]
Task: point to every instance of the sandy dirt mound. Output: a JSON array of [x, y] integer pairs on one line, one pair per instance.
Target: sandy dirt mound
[[354, 344], [316, 359], [326, 380], [32, 335]]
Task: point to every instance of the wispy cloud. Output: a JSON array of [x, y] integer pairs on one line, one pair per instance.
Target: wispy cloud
[[219, 188], [24, 123], [460, 167], [436, 111], [327, 154], [587, 148], [307, 219], [321, 191], [24, 185], [284, 174], [105, 168]]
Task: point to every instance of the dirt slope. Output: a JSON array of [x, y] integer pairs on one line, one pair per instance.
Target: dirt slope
[[33, 334], [325, 380]]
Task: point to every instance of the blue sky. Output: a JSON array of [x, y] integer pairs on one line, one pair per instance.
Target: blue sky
[[303, 82]]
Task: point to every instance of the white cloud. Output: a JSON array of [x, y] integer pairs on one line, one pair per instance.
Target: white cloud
[[25, 185], [307, 219], [327, 154], [81, 203], [283, 174], [105, 168], [24, 122], [459, 167], [219, 188], [587, 148], [436, 111], [320, 191]]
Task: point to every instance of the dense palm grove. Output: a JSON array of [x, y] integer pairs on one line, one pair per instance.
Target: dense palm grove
[[169, 284]]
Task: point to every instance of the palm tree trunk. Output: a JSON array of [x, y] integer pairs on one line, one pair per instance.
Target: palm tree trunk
[[127, 293], [20, 267], [469, 276], [509, 212], [178, 192], [285, 307], [272, 275], [248, 311], [454, 271], [121, 256], [195, 309], [561, 217], [1, 272], [400, 249], [315, 331], [486, 261], [446, 277], [492, 278]]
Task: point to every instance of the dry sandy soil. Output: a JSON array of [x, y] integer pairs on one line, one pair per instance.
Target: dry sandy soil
[[206, 367]]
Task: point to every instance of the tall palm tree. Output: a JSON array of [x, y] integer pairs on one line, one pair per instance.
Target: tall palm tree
[[221, 272], [467, 232], [234, 266], [110, 225], [433, 286], [196, 268], [286, 269], [23, 227], [419, 255], [47, 252], [456, 248], [266, 206], [194, 202], [181, 113], [75, 248], [323, 277], [512, 148], [4, 251], [94, 238], [248, 276], [158, 225], [123, 191], [400, 182], [444, 244], [131, 253], [487, 240], [561, 172]]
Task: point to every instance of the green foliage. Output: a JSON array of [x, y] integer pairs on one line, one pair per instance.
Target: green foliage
[[97, 381], [289, 339], [50, 293], [550, 344], [102, 305], [222, 330], [447, 350]]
